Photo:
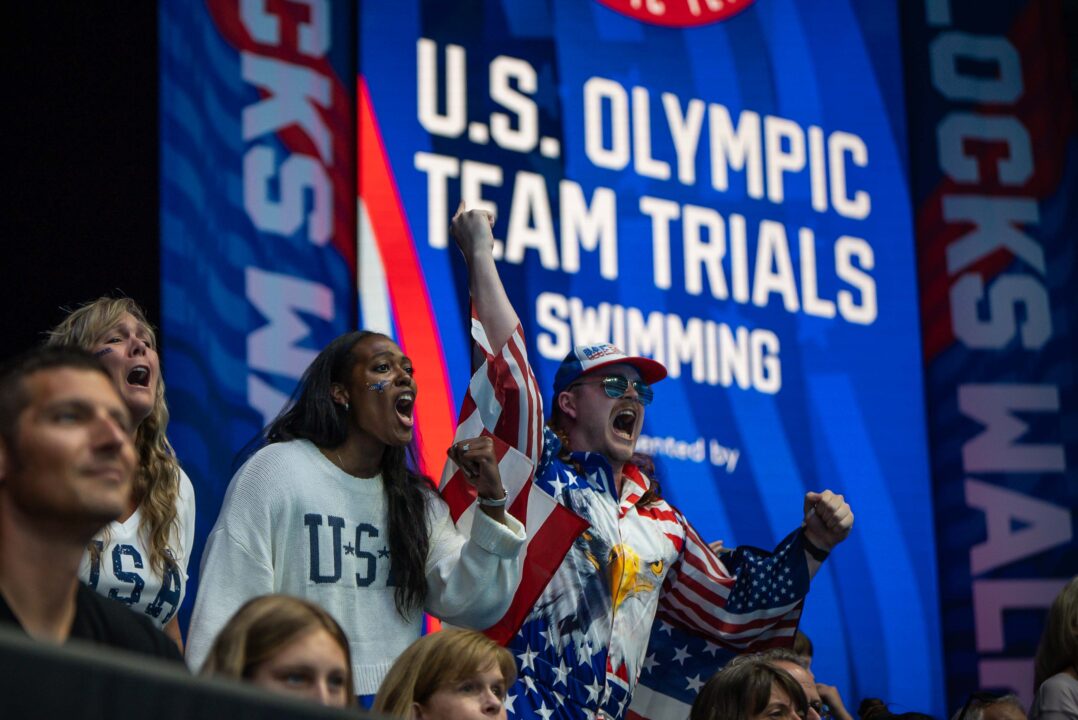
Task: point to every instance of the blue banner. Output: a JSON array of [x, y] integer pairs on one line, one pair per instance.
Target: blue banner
[[257, 218], [725, 193], [994, 184]]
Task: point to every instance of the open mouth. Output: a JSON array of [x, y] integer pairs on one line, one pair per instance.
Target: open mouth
[[139, 375], [625, 423], [405, 406]]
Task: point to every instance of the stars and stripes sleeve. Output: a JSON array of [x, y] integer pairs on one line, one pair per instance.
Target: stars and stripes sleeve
[[504, 396], [503, 402], [747, 600]]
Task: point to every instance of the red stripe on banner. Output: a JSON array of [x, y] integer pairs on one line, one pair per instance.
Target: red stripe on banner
[[337, 118], [412, 310], [1042, 50]]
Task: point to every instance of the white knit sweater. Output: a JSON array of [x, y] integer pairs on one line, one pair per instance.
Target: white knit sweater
[[293, 522]]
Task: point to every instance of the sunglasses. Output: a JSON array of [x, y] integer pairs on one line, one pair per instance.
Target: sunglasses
[[615, 386]]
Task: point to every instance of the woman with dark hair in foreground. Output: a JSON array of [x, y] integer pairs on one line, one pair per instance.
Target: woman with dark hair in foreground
[[332, 510]]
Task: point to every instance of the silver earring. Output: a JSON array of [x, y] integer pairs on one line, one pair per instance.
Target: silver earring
[[347, 407]]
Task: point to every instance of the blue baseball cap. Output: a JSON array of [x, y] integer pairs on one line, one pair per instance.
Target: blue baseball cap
[[584, 359]]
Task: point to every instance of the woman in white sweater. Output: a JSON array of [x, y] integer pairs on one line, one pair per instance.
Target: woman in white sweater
[[332, 510]]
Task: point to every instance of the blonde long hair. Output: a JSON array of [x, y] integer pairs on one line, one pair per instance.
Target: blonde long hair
[[157, 482], [434, 661], [1058, 648]]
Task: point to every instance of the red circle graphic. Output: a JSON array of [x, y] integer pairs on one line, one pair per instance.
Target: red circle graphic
[[678, 13]]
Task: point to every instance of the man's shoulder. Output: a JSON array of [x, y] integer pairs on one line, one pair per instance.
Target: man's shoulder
[[108, 622]]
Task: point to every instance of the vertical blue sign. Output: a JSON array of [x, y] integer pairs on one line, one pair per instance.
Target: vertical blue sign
[[257, 217], [994, 187]]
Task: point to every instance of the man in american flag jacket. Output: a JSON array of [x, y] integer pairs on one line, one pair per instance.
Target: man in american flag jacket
[[607, 557]]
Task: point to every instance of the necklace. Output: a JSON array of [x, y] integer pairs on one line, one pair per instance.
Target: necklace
[[339, 461]]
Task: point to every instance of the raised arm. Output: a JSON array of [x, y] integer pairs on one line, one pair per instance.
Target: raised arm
[[503, 400], [750, 598], [472, 230], [828, 521]]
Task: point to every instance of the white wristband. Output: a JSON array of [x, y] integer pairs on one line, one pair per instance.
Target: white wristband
[[493, 502]]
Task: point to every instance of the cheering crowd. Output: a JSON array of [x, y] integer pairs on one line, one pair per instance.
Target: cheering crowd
[[329, 546]]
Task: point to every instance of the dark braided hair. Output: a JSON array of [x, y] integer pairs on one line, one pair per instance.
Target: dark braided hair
[[314, 416]]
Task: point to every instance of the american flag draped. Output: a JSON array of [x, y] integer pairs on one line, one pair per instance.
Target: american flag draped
[[503, 403], [678, 662], [612, 591]]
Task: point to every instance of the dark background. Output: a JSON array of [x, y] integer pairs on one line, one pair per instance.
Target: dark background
[[81, 215]]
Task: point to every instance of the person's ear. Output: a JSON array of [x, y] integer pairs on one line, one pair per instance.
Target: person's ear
[[417, 712], [339, 394], [567, 403]]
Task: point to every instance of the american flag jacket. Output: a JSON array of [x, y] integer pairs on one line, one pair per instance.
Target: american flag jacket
[[601, 568]]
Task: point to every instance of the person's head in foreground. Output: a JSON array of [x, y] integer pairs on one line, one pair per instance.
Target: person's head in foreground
[[66, 455], [991, 706], [752, 689], [448, 675], [803, 647], [599, 398], [793, 663], [1058, 649], [877, 709], [288, 646]]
